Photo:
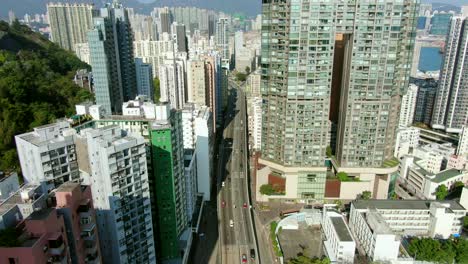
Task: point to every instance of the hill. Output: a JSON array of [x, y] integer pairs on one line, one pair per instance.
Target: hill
[[36, 85]]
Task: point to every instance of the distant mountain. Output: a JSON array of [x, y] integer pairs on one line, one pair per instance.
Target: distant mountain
[[445, 7], [248, 7]]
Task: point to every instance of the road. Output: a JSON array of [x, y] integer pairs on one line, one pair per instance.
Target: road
[[233, 195]]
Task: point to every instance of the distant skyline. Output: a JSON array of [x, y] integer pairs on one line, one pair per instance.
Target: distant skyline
[[249, 7]]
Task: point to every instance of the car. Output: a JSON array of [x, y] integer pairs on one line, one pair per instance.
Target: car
[[244, 258], [244, 205], [231, 223], [222, 184], [223, 204], [252, 253]]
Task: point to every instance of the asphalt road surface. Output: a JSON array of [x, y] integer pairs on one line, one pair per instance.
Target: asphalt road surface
[[236, 232]]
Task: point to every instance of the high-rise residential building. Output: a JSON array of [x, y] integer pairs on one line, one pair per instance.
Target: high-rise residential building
[[451, 104], [440, 23], [462, 148], [144, 78], [222, 39], [172, 80], [166, 20], [48, 154], [82, 52], [180, 37], [153, 51], [112, 61], [168, 166], [69, 23], [425, 100], [75, 203], [11, 16], [198, 136], [196, 82], [408, 106], [115, 164], [321, 66]]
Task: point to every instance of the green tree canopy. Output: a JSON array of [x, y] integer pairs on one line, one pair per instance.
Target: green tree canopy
[[306, 260], [36, 86], [441, 192], [157, 90], [267, 189], [366, 195]]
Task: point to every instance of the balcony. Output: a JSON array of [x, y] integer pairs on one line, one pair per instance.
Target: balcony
[[88, 235]]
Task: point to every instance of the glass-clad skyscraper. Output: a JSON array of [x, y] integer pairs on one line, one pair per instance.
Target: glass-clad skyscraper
[[111, 53]]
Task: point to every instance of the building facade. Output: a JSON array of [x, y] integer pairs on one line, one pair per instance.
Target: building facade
[[69, 23], [169, 181], [115, 165], [111, 50], [144, 78], [327, 71], [408, 106], [48, 154], [451, 104]]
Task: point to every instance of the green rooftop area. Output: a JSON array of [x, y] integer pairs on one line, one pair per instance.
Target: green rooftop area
[[391, 163], [445, 175]]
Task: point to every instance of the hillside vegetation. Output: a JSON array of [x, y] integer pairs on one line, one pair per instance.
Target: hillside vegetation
[[36, 85]]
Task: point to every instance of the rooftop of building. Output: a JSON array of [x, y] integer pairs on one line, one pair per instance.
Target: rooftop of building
[[446, 175], [40, 214], [13, 200], [377, 223], [67, 186], [341, 228], [401, 204], [5, 175]]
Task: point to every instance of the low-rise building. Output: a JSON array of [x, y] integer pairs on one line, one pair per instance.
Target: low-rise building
[[9, 184], [339, 243], [41, 238], [407, 139], [379, 225]]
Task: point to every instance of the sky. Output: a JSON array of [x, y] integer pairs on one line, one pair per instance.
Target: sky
[[248, 7]]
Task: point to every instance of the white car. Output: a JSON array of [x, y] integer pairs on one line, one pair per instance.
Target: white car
[[231, 223], [222, 184]]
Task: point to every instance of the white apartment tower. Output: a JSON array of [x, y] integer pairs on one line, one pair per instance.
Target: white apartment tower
[[408, 105], [48, 154], [198, 136], [69, 23], [451, 103], [172, 82], [153, 51], [114, 164]]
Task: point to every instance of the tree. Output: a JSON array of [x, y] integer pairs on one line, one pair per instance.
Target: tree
[[457, 189], [157, 90], [241, 76], [267, 189], [366, 195], [306, 260], [465, 222], [429, 249], [329, 151], [441, 192], [247, 69]]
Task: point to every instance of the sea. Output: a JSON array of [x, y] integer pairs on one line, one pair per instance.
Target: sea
[[430, 59]]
